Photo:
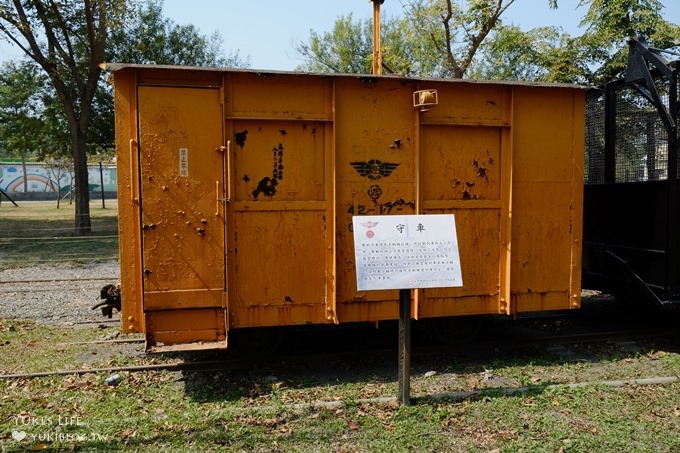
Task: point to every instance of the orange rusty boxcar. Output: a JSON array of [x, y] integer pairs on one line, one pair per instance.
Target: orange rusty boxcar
[[237, 190]]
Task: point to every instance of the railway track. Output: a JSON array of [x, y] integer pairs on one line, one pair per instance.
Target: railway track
[[47, 285], [231, 363]]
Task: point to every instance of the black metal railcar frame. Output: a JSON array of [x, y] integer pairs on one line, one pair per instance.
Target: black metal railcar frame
[[631, 213]]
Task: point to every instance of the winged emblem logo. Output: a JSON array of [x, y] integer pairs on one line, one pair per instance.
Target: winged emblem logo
[[374, 168]]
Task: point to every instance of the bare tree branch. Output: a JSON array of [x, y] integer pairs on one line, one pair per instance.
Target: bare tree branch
[[488, 23], [448, 40]]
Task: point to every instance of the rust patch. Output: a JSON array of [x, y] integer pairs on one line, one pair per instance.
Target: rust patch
[[369, 80], [266, 186], [240, 138], [480, 168]]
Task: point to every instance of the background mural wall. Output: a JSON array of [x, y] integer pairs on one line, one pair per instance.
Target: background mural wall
[[46, 178]]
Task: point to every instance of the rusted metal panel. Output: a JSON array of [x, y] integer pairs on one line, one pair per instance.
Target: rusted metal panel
[[464, 148], [181, 299], [151, 76], [280, 314], [132, 314], [177, 327], [272, 96], [183, 235], [262, 236], [546, 225], [470, 104], [279, 161], [182, 180], [479, 250], [577, 190], [461, 162], [280, 261], [281, 212], [375, 174], [468, 84]]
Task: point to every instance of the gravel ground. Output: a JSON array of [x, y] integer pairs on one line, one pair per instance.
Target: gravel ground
[[55, 302]]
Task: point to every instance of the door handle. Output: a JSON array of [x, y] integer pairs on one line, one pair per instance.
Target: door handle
[[228, 173], [217, 198], [226, 166]]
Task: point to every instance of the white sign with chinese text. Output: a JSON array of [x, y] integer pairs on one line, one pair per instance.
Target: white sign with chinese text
[[406, 251], [184, 162]]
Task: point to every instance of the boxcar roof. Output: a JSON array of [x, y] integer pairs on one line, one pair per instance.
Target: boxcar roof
[[113, 67]]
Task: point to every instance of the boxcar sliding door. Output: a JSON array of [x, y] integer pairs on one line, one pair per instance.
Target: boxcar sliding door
[[182, 219]]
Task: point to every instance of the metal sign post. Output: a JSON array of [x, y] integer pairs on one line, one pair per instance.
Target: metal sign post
[[405, 253], [404, 377]]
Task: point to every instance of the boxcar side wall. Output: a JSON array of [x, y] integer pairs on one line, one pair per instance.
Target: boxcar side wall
[[281, 244], [132, 314], [269, 204], [466, 154], [547, 199]]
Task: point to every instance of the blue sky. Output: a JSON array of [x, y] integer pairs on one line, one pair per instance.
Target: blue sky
[[267, 31]]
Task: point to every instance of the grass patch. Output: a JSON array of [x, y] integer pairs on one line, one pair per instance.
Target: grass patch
[[39, 233], [270, 408], [30, 347]]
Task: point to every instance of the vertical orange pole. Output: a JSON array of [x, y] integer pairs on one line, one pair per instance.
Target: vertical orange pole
[[377, 53]]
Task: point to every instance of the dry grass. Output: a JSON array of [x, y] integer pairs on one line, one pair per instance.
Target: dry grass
[[38, 233]]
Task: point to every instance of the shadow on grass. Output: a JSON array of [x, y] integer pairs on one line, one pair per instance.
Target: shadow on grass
[[363, 355]]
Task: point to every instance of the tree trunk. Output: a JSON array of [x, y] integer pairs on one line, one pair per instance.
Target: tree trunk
[[82, 187]]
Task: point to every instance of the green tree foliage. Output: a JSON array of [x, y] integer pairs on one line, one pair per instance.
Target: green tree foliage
[[447, 38], [348, 48], [20, 109], [457, 29], [543, 54], [32, 120], [437, 38], [148, 37], [609, 23], [67, 40], [597, 56], [345, 49]]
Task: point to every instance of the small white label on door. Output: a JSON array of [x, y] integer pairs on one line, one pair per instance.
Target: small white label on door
[[184, 162]]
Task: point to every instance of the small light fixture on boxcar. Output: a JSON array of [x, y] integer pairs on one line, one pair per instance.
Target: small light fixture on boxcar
[[424, 99]]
